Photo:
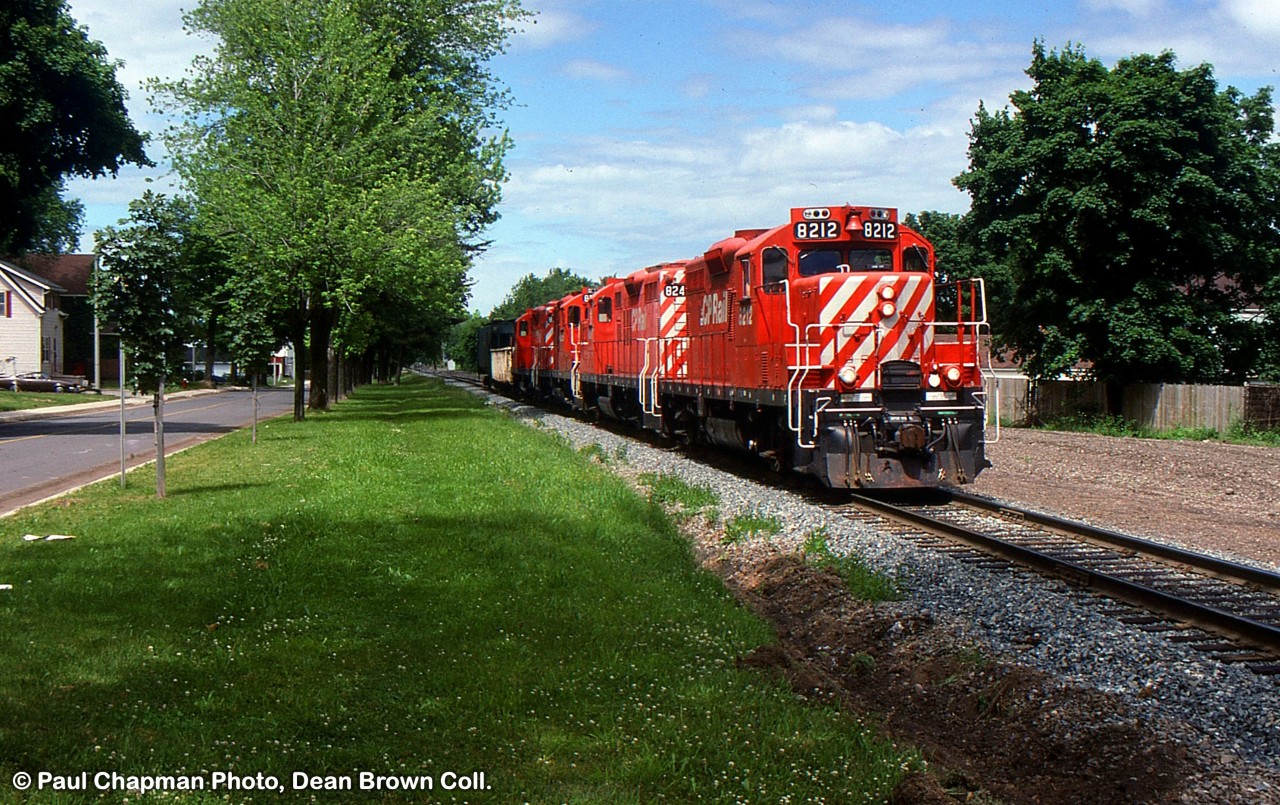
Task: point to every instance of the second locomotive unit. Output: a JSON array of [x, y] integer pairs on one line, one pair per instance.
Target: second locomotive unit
[[823, 345]]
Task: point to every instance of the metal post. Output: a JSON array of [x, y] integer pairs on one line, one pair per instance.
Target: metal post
[[160, 438], [122, 425]]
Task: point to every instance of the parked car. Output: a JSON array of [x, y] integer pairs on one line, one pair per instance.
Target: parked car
[[39, 381]]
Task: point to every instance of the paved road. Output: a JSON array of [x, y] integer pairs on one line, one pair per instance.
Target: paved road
[[51, 453]]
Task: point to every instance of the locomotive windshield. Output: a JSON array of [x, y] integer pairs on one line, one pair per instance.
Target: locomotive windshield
[[829, 261]]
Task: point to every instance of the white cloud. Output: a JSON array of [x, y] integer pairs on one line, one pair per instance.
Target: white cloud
[[549, 27], [1137, 8], [588, 70], [1258, 17]]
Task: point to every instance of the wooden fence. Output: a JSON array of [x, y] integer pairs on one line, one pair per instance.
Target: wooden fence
[[1156, 405]]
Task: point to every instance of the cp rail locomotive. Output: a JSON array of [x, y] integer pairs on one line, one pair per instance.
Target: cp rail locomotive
[[824, 346]]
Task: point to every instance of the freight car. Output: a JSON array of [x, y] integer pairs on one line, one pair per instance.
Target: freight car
[[824, 346]]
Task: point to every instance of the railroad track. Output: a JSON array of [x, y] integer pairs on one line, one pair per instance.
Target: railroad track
[[1229, 610]]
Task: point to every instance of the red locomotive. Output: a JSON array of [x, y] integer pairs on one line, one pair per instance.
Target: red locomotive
[[819, 345]]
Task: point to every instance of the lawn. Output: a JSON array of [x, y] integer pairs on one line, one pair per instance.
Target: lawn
[[412, 586], [22, 400]]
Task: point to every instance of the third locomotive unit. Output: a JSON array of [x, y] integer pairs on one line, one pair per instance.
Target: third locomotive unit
[[824, 346]]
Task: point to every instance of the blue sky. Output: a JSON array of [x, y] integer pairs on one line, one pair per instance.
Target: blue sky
[[646, 130]]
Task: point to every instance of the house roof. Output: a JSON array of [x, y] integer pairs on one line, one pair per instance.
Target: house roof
[[21, 281], [70, 272]]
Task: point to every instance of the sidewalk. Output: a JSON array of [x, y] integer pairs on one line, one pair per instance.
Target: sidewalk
[[104, 400]]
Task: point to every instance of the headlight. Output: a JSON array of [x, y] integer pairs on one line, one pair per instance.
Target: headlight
[[848, 375], [888, 309], [952, 374], [887, 292], [935, 380]]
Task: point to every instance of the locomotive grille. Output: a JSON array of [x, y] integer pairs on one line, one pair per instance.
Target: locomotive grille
[[900, 376]]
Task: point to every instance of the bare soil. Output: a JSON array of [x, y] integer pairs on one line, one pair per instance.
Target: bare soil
[[997, 732], [1202, 495]]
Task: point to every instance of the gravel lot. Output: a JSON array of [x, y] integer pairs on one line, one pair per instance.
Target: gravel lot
[[1203, 495]]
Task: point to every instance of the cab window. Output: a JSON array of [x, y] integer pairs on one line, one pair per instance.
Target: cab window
[[915, 258], [604, 309], [870, 260], [774, 263], [820, 261]]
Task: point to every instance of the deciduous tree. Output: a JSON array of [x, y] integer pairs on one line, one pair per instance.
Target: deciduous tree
[[1132, 207], [342, 148], [139, 287], [63, 115]]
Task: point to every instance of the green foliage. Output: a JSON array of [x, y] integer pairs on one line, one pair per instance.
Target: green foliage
[[411, 585], [531, 291], [673, 492], [343, 153], [1117, 201], [861, 581], [750, 524], [1108, 425], [142, 286], [63, 114], [463, 342]]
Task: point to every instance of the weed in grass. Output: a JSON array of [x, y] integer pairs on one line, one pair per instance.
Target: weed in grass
[[594, 451], [1242, 432], [861, 581], [671, 491], [750, 524]]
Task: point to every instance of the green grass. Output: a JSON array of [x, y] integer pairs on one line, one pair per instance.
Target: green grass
[[23, 400], [412, 584], [861, 581], [674, 494], [1238, 433]]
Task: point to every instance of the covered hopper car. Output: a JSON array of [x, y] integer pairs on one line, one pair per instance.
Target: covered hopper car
[[823, 345]]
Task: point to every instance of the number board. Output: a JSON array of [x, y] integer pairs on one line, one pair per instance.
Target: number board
[[879, 230], [817, 230]]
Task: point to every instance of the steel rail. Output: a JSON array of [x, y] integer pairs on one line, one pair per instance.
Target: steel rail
[[1258, 634], [1221, 567]]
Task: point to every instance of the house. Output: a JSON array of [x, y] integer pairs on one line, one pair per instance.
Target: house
[[31, 322], [72, 272]]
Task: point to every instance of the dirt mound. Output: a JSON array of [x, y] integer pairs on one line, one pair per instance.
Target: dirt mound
[[983, 726]]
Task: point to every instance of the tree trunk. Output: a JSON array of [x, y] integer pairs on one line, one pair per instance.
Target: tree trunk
[[322, 319], [298, 332], [209, 350], [334, 367]]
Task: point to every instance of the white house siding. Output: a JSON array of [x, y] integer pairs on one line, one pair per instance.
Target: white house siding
[[24, 326], [20, 340]]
